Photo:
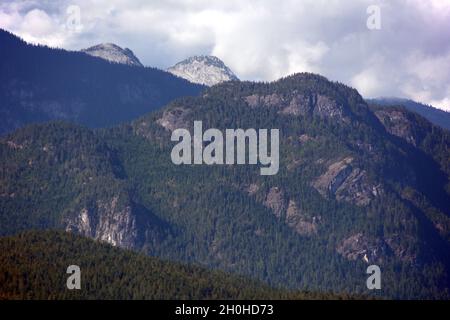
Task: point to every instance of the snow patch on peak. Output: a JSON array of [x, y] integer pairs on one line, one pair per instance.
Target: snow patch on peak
[[206, 70], [113, 53]]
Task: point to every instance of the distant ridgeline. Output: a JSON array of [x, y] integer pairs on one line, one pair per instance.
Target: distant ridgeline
[[434, 115], [38, 84]]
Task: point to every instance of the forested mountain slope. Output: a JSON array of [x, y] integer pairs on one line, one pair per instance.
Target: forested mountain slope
[[356, 186], [33, 265]]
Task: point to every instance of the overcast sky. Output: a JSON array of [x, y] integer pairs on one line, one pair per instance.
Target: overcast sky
[[409, 56]]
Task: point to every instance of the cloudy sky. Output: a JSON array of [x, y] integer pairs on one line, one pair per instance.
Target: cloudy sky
[[408, 56]]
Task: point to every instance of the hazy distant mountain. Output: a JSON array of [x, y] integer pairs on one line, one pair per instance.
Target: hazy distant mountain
[[207, 70], [38, 84], [436, 116], [357, 185], [114, 53]]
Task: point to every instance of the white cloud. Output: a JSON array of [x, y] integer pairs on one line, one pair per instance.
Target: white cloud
[[264, 40], [367, 83], [37, 23]]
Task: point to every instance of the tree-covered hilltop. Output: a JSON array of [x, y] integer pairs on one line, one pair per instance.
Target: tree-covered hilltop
[[356, 186], [39, 83], [33, 265]]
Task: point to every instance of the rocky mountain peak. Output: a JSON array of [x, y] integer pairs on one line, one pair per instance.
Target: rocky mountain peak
[[113, 53], [207, 70]]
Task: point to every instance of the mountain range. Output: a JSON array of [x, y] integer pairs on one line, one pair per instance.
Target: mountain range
[[38, 84], [204, 70], [358, 184], [210, 70], [29, 98]]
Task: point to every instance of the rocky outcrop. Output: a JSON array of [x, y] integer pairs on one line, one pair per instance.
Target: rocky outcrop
[[333, 178], [113, 53], [206, 70], [357, 189], [398, 124], [346, 183], [106, 221], [361, 247], [173, 118], [326, 107], [374, 249], [271, 100], [288, 211], [299, 222], [298, 104], [276, 201]]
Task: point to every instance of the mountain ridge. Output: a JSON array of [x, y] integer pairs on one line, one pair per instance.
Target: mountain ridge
[[203, 69], [39, 84], [435, 115], [114, 53]]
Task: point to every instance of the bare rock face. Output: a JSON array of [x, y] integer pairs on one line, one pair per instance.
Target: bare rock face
[[397, 123], [288, 211], [252, 100], [357, 189], [346, 183], [326, 107], [271, 100], [173, 118], [360, 247], [113, 53], [333, 178], [298, 104], [374, 250], [206, 70], [276, 201], [299, 222], [107, 221]]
